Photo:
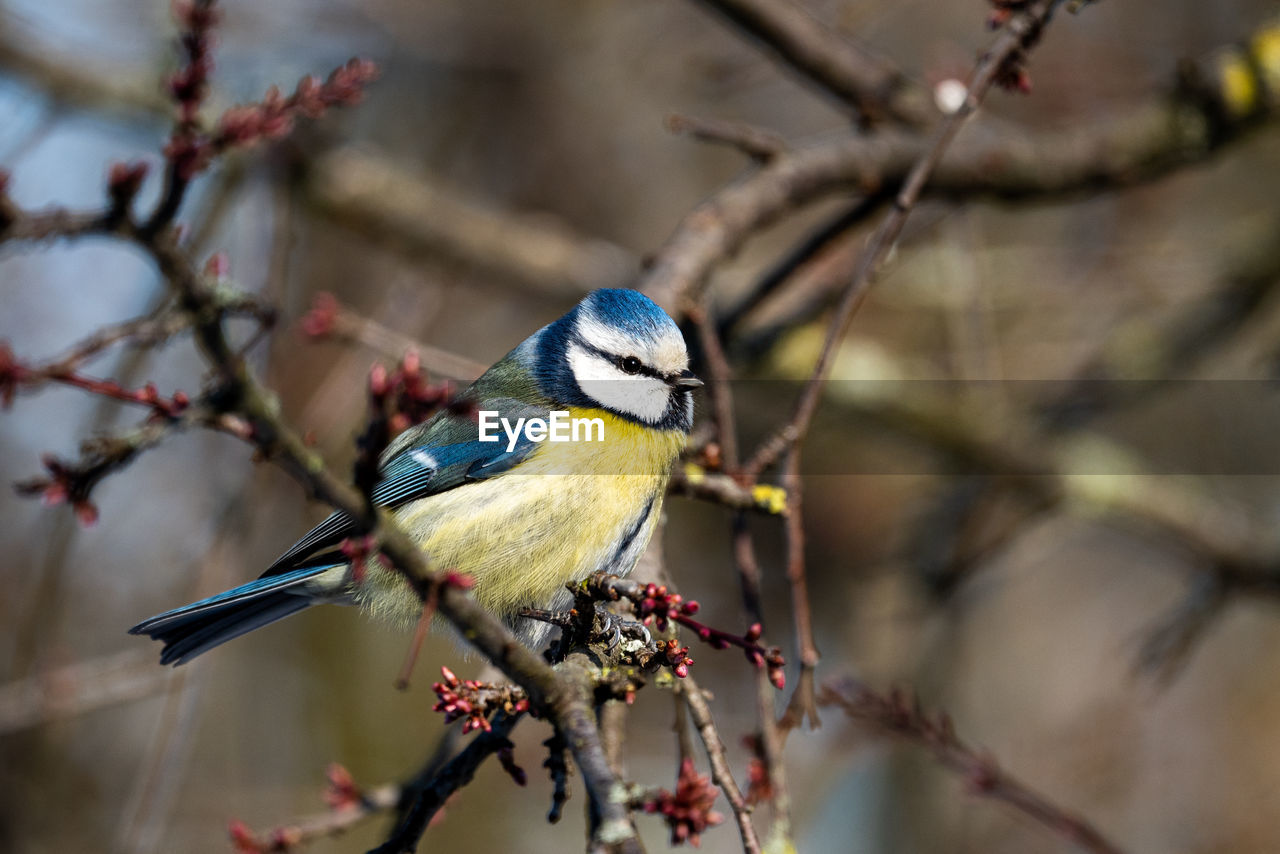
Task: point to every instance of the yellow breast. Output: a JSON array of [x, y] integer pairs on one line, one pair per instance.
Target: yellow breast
[[572, 508]]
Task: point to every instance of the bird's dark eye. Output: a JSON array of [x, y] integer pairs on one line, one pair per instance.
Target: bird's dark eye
[[631, 365]]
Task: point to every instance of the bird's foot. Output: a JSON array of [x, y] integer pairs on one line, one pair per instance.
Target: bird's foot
[[616, 627]]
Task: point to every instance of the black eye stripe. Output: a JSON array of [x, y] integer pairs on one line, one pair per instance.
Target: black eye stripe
[[642, 370]]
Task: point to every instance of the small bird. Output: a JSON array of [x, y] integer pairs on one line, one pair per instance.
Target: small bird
[[521, 513]]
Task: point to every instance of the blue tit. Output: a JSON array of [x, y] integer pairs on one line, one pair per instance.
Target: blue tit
[[519, 511]]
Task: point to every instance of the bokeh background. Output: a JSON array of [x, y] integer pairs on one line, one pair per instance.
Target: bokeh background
[[533, 137]]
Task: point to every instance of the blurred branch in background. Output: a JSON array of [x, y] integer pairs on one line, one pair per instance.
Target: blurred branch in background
[[79, 688], [71, 80], [407, 210], [1209, 109], [1076, 471], [901, 716], [328, 318], [798, 40]]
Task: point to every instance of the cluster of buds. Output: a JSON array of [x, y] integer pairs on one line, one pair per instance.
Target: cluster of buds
[[343, 797], [759, 783], [190, 149], [72, 483], [187, 150], [124, 180], [64, 484], [273, 117], [15, 374], [245, 841], [341, 791], [475, 701], [188, 85], [687, 811], [657, 605], [1012, 75], [162, 407], [322, 319], [412, 398], [557, 765], [397, 400], [675, 656]]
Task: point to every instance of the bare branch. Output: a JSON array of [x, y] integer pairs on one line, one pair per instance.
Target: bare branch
[[902, 717], [79, 688], [429, 798], [70, 80], [758, 144], [700, 712], [1147, 141], [797, 39], [329, 318], [389, 204], [693, 482]]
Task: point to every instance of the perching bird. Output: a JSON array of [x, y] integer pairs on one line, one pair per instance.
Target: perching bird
[[522, 516]]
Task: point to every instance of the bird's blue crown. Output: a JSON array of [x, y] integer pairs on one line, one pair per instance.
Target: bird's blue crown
[[630, 312]]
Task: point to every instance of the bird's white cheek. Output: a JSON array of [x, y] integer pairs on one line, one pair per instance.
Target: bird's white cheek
[[639, 396]]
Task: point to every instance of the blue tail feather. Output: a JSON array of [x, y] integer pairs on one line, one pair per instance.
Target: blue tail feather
[[192, 629]]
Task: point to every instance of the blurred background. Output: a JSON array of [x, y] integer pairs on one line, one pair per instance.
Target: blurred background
[[522, 155]]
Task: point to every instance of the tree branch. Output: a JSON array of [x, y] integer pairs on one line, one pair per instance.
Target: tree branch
[[1147, 141], [902, 717], [872, 86]]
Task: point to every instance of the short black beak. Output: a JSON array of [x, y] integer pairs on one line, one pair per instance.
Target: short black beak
[[687, 380]]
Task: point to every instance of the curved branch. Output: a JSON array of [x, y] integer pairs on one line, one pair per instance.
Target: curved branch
[[800, 41], [1146, 142]]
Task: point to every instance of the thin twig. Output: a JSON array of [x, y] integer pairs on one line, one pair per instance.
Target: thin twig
[[757, 143], [901, 716], [720, 386], [797, 39], [429, 798], [803, 702], [330, 318], [700, 711]]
